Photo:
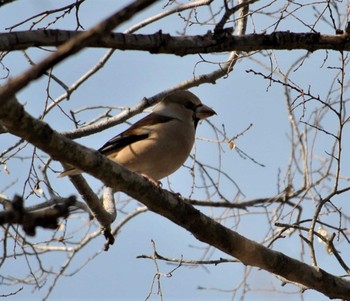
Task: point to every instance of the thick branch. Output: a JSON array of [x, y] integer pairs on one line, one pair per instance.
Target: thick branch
[[169, 205], [184, 45]]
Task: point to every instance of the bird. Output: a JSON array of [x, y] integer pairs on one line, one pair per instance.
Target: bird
[[158, 144]]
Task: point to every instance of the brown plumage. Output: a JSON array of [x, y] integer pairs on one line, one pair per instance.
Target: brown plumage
[[158, 144]]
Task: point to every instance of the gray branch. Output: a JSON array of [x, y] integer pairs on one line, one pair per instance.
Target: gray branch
[[168, 204], [161, 42]]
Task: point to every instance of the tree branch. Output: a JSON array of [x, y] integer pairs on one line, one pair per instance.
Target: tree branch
[[169, 205], [72, 46], [179, 45], [15, 213], [105, 216]]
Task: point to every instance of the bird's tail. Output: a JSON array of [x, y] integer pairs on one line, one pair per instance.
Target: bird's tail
[[70, 172]]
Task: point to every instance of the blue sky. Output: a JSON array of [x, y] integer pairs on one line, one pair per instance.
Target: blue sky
[[240, 100]]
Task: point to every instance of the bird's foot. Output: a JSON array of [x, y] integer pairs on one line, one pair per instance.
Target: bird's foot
[[158, 184]]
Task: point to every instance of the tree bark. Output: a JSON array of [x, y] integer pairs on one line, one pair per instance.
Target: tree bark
[[169, 205], [161, 42]]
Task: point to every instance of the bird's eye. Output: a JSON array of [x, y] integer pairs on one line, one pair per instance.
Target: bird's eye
[[190, 105]]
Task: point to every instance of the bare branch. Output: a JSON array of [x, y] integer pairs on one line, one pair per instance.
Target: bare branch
[[169, 205], [72, 46], [181, 46], [15, 213]]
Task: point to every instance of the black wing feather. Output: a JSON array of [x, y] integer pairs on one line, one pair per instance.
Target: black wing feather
[[118, 142], [130, 135]]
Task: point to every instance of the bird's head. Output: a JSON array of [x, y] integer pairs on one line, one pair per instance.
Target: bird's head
[[185, 106]]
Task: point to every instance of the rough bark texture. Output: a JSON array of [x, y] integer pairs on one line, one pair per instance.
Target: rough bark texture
[[38, 133], [185, 45]]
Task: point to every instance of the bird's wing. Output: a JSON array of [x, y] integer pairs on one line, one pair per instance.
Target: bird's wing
[[138, 131]]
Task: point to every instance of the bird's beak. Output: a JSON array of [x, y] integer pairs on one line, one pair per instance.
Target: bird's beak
[[203, 112]]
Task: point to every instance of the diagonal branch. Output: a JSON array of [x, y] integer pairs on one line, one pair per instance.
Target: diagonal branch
[[168, 204]]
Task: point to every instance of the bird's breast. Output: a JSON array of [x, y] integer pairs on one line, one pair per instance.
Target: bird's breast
[[161, 153]]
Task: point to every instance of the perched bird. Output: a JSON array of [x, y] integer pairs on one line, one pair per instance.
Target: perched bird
[[158, 144]]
